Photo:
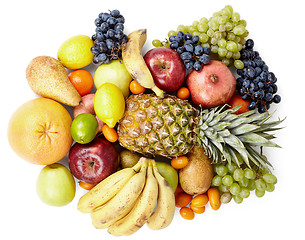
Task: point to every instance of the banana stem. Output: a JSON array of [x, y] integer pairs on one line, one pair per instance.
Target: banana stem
[[157, 91], [138, 165]]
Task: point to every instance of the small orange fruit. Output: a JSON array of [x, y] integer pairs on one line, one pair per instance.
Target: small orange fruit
[[82, 81]]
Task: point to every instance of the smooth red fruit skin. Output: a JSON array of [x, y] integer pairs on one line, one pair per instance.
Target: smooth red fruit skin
[[166, 67], [94, 161], [236, 100], [207, 91]]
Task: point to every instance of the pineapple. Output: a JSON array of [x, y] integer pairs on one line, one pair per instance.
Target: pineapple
[[170, 127]]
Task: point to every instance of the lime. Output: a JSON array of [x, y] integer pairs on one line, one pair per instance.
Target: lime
[[76, 52], [109, 104], [84, 128]]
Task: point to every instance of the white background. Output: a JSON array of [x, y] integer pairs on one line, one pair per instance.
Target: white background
[[32, 28]]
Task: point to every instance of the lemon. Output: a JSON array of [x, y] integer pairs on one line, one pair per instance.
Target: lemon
[[109, 104], [76, 52]]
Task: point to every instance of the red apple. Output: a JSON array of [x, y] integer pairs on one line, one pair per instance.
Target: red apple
[[94, 161], [87, 106], [212, 86], [166, 68]]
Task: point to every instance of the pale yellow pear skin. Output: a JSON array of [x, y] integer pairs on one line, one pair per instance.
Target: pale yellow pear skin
[[48, 78]]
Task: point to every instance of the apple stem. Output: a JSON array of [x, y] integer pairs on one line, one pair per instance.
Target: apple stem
[[214, 78]]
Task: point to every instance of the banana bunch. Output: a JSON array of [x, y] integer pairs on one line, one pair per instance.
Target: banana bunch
[[134, 62], [126, 200]]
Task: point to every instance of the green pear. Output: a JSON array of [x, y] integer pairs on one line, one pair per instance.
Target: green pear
[[48, 78], [55, 185]]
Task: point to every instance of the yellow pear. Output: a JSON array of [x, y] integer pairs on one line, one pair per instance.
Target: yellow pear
[[48, 78]]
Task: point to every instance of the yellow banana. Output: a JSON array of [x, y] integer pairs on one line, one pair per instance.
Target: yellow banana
[[134, 61], [165, 209], [142, 210], [121, 204], [106, 189]]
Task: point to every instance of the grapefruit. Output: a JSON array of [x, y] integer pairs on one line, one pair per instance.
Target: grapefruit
[[39, 131]]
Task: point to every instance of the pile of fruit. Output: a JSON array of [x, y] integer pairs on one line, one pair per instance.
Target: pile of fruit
[[172, 128]]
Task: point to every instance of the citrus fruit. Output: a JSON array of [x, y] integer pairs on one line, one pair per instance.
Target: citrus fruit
[[76, 52], [82, 81], [109, 104], [39, 131], [84, 128], [115, 72]]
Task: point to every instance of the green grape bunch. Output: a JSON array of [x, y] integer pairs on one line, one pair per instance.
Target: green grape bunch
[[225, 33], [238, 181]]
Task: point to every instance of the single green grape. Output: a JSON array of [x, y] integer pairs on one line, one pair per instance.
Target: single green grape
[[210, 32], [239, 30], [235, 17], [203, 37], [269, 178], [231, 46], [217, 180], [205, 44], [230, 36], [237, 199], [202, 27], [270, 187], [214, 49], [235, 188], [228, 26], [229, 54], [218, 35], [222, 43], [156, 43], [226, 61], [192, 29], [213, 40], [259, 193], [249, 173], [244, 182], [236, 55], [239, 65], [195, 23], [196, 33], [244, 192], [203, 20], [222, 28], [227, 180], [226, 12], [182, 28], [222, 52], [221, 170], [214, 25], [243, 22], [260, 184], [230, 8], [172, 33], [223, 188], [231, 167], [225, 197], [238, 174]]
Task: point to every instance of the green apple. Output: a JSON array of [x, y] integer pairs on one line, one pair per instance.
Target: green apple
[[169, 173], [115, 72], [55, 185]]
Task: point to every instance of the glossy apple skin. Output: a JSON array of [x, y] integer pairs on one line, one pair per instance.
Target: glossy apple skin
[[94, 161], [87, 106], [166, 68], [208, 91]]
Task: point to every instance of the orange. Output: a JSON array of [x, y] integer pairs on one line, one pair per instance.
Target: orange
[[82, 81], [39, 131]]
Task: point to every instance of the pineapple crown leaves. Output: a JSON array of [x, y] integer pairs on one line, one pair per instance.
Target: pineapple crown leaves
[[230, 137]]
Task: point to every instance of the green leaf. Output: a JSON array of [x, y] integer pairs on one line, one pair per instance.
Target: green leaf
[[256, 140]]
